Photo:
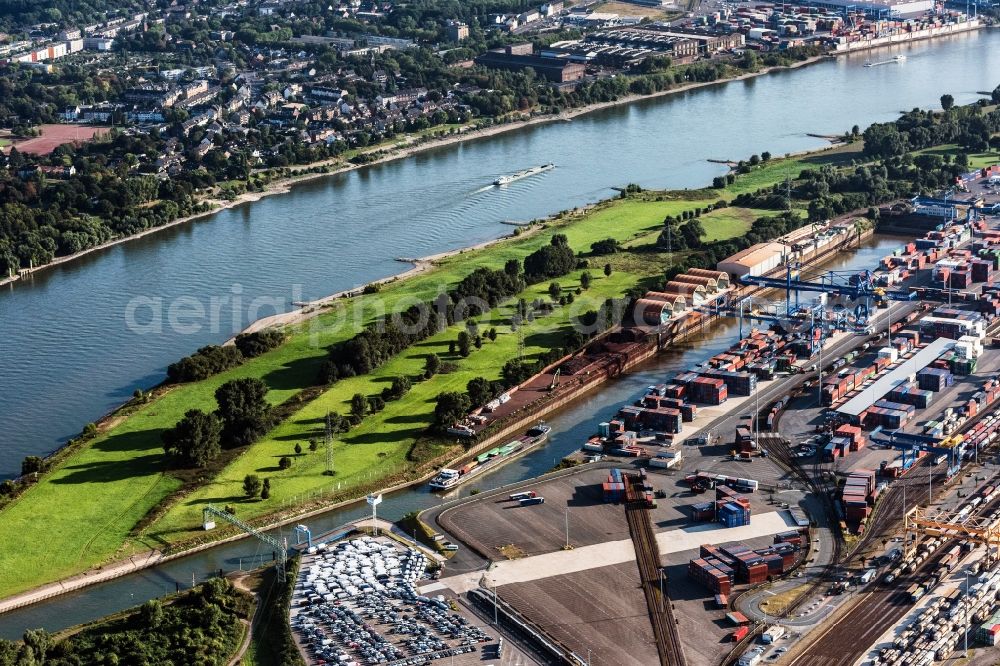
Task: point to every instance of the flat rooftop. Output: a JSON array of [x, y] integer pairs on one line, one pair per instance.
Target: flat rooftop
[[872, 394]]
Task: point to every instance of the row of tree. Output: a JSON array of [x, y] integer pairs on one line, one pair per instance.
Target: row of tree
[[474, 295], [213, 359]]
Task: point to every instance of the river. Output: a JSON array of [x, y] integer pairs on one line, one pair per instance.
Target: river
[[570, 428], [70, 355]]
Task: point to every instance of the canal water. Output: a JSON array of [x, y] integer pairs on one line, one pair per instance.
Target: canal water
[[570, 428], [78, 339]]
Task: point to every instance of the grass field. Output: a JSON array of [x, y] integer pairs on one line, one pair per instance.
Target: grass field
[[89, 505], [976, 160], [778, 170]]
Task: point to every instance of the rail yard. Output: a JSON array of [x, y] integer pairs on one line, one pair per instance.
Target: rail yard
[[821, 492]]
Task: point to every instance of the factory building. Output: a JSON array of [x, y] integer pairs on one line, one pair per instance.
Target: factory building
[[517, 57]]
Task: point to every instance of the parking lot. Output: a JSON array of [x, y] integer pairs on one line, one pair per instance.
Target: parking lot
[[356, 604]]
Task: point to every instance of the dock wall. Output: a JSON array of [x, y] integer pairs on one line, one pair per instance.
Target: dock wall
[[905, 37]]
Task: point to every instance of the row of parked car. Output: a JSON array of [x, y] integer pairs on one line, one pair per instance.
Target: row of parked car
[[358, 605]]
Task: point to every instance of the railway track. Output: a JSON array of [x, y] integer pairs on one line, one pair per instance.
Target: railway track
[[647, 555], [851, 636], [778, 448]]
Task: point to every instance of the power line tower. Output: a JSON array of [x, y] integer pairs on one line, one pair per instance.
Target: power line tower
[[329, 446], [670, 248]]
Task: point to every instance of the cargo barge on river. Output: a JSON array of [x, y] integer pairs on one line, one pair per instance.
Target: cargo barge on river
[[448, 478]]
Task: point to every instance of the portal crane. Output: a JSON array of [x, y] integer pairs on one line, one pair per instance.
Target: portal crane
[[911, 443]]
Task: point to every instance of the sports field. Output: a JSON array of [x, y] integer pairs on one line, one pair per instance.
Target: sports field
[[54, 136]]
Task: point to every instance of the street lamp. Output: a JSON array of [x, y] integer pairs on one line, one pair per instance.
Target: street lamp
[[967, 613]]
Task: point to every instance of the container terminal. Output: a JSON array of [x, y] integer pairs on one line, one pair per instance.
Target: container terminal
[[817, 493]]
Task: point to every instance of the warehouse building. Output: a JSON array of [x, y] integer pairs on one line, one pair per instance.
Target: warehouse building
[[755, 260], [854, 408]]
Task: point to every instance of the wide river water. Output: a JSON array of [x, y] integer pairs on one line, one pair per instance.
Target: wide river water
[[70, 354]]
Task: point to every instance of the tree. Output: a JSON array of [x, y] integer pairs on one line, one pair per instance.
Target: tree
[[480, 390], [585, 279], [554, 290], [464, 343], [431, 365], [359, 405], [552, 260], [151, 614], [265, 492], [196, 439], [606, 246], [255, 344], [246, 415], [692, 233], [947, 102], [313, 445], [451, 408], [607, 270], [284, 462], [765, 156], [400, 385], [298, 449], [251, 485], [32, 465]]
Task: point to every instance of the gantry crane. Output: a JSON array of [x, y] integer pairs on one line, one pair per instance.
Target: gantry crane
[[953, 525]]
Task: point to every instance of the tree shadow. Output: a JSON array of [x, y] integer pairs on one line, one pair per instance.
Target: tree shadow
[[297, 374], [112, 471], [141, 440], [408, 418], [384, 437]]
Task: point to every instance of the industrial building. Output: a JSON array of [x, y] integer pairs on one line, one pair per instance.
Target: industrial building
[[856, 406], [517, 57], [877, 9], [755, 260]]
